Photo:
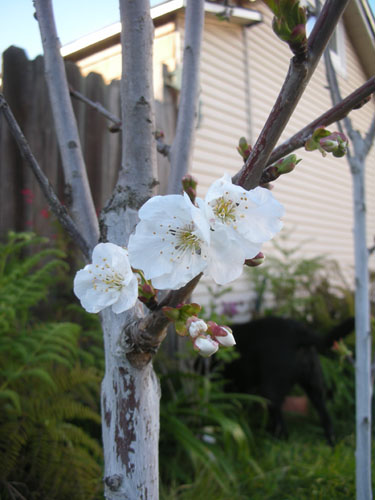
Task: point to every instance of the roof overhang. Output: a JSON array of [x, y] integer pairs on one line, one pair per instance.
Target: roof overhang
[[161, 13]]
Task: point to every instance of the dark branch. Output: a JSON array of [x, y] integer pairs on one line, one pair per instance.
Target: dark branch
[[54, 203], [336, 113], [299, 74], [96, 105]]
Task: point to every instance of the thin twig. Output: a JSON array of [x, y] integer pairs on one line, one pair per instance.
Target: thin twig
[[95, 105], [54, 203], [299, 74], [336, 113], [161, 147]]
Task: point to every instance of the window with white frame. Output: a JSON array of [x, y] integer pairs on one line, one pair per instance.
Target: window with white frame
[[336, 44], [336, 47]]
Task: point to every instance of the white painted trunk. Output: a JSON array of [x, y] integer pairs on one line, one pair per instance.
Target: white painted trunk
[[363, 336], [130, 420]]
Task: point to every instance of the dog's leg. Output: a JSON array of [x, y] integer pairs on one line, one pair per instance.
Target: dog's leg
[[315, 392]]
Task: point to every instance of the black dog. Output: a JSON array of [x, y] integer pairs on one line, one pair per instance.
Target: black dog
[[277, 353]]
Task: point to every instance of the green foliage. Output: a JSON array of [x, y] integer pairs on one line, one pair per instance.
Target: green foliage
[[49, 418], [290, 284], [206, 431]]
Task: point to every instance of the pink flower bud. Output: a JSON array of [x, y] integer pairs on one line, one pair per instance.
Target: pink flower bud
[[255, 261], [221, 334], [226, 340], [196, 326], [205, 345], [189, 185]]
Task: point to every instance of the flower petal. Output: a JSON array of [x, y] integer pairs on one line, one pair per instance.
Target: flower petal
[[127, 298]]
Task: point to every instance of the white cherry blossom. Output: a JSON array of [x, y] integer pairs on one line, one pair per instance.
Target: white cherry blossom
[[171, 241], [108, 281], [240, 221]]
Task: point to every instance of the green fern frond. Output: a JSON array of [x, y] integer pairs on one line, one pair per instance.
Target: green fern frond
[[49, 396]]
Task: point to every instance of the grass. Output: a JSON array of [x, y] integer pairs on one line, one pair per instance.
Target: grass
[[303, 467]]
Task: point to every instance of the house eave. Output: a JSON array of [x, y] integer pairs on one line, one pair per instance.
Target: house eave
[[160, 14]]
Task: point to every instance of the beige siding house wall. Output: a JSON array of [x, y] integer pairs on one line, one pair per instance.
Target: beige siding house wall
[[242, 71]]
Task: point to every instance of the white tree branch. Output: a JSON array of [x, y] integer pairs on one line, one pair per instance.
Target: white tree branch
[[138, 116], [370, 136], [182, 147], [363, 382], [82, 207]]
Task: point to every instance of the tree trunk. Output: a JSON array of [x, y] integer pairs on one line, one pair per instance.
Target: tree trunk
[[130, 419]]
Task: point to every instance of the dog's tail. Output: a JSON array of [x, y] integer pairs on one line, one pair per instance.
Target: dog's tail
[[338, 332]]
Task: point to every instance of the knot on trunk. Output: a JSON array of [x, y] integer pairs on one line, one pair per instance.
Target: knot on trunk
[[143, 338], [113, 482]]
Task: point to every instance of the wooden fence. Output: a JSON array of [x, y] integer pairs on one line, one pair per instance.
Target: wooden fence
[[22, 206]]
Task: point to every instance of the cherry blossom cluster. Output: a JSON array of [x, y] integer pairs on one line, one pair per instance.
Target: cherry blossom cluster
[[208, 337], [174, 241]]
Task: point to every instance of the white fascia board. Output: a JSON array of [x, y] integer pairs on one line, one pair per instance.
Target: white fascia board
[[239, 15]]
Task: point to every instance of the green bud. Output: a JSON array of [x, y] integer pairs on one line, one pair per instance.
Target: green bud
[[327, 142], [180, 314], [289, 23], [244, 148]]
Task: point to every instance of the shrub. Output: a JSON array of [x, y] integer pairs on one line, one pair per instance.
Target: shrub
[[48, 387]]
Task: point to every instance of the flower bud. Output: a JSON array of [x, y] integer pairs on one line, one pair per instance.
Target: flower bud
[[335, 143], [189, 185], [222, 334], [289, 23], [226, 340], [281, 167], [255, 261], [244, 148], [196, 326], [205, 345], [180, 314], [159, 135]]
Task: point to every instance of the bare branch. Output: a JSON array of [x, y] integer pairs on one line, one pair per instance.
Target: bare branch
[[138, 116], [95, 105], [299, 74], [336, 113], [54, 203], [83, 210], [161, 147], [182, 147]]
